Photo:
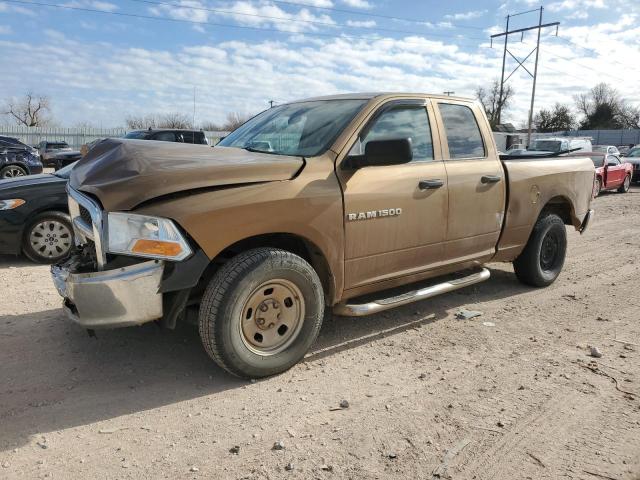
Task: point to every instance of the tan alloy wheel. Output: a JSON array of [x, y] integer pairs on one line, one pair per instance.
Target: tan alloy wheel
[[272, 317]]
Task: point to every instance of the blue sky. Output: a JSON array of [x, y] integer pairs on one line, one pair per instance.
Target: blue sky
[[99, 67]]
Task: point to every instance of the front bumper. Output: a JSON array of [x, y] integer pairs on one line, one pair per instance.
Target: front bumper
[[121, 297]]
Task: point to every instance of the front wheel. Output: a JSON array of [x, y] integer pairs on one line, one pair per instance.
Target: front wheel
[[542, 259], [12, 171], [597, 187], [261, 312], [624, 188], [48, 238]]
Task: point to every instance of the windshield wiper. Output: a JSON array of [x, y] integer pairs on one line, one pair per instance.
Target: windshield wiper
[[252, 149]]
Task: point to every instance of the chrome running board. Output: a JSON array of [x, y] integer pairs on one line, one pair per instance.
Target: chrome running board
[[359, 310]]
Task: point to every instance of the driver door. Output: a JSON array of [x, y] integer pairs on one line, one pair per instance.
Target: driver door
[[615, 171], [395, 215]]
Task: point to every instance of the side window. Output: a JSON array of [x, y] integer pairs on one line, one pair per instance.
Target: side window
[[187, 137], [165, 137], [198, 137], [401, 122], [463, 133]]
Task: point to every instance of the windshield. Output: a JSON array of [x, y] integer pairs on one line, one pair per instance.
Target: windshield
[[545, 146], [634, 153], [66, 171], [598, 160], [302, 129], [57, 146], [599, 148], [137, 134]]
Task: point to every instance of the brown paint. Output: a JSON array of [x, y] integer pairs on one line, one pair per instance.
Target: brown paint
[[460, 225]]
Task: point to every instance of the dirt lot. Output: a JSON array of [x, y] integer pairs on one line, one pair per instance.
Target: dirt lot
[[510, 394]]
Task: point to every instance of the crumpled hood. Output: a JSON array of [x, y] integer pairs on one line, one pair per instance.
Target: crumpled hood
[[124, 173]]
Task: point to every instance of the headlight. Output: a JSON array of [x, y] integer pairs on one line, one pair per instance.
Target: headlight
[[145, 236], [11, 203]]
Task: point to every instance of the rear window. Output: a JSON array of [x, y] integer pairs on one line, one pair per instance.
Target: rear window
[[463, 132]]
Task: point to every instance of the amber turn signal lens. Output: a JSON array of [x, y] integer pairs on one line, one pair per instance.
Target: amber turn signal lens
[[157, 247]]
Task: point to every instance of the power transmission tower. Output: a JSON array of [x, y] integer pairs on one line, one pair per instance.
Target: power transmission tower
[[533, 75]]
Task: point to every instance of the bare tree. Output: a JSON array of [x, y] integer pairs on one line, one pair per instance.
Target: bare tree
[[603, 107], [174, 120], [140, 122], [208, 126], [30, 111], [492, 103], [556, 119], [234, 120]]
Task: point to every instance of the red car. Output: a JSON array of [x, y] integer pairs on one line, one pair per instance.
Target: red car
[[610, 175]]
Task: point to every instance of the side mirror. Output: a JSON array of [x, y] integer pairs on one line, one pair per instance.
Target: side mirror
[[379, 153]]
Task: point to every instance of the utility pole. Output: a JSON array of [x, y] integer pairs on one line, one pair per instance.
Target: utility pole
[[521, 63], [193, 124], [271, 102], [448, 93]]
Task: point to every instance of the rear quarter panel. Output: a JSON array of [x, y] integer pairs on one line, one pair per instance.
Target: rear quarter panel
[[533, 184]]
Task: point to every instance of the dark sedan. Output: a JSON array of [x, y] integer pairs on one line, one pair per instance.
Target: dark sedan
[[34, 217], [633, 157], [18, 159]]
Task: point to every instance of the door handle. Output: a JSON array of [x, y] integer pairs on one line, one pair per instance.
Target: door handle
[[430, 184], [490, 178]]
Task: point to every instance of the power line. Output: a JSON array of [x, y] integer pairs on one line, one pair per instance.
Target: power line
[[224, 25], [374, 15], [521, 63], [295, 20]]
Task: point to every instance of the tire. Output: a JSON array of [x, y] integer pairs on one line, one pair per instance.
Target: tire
[[624, 188], [597, 187], [247, 305], [48, 237], [12, 171], [543, 256]]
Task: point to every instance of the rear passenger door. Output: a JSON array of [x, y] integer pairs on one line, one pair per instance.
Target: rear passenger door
[[476, 182]]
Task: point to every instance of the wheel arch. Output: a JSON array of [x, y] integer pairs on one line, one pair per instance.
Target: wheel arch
[[563, 207], [290, 242]]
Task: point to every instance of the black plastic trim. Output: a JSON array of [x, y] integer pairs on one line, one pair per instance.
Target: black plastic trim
[[185, 274]]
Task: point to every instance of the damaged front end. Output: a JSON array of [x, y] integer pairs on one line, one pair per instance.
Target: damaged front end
[[107, 283], [117, 297]]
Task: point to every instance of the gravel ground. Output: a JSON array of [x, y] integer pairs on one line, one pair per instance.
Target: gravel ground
[[507, 395]]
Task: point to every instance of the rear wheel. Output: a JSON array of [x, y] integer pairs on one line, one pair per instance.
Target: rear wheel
[[261, 312], [12, 171], [624, 188], [542, 259], [48, 237]]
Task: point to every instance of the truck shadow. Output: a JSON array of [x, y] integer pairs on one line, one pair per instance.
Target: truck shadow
[[55, 377]]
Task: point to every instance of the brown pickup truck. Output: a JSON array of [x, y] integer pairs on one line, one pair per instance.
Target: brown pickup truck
[[325, 202]]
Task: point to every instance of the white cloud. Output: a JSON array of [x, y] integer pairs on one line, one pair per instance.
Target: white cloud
[[245, 12], [361, 23], [93, 4], [467, 15], [357, 3], [106, 82], [5, 30], [575, 4], [13, 8]]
